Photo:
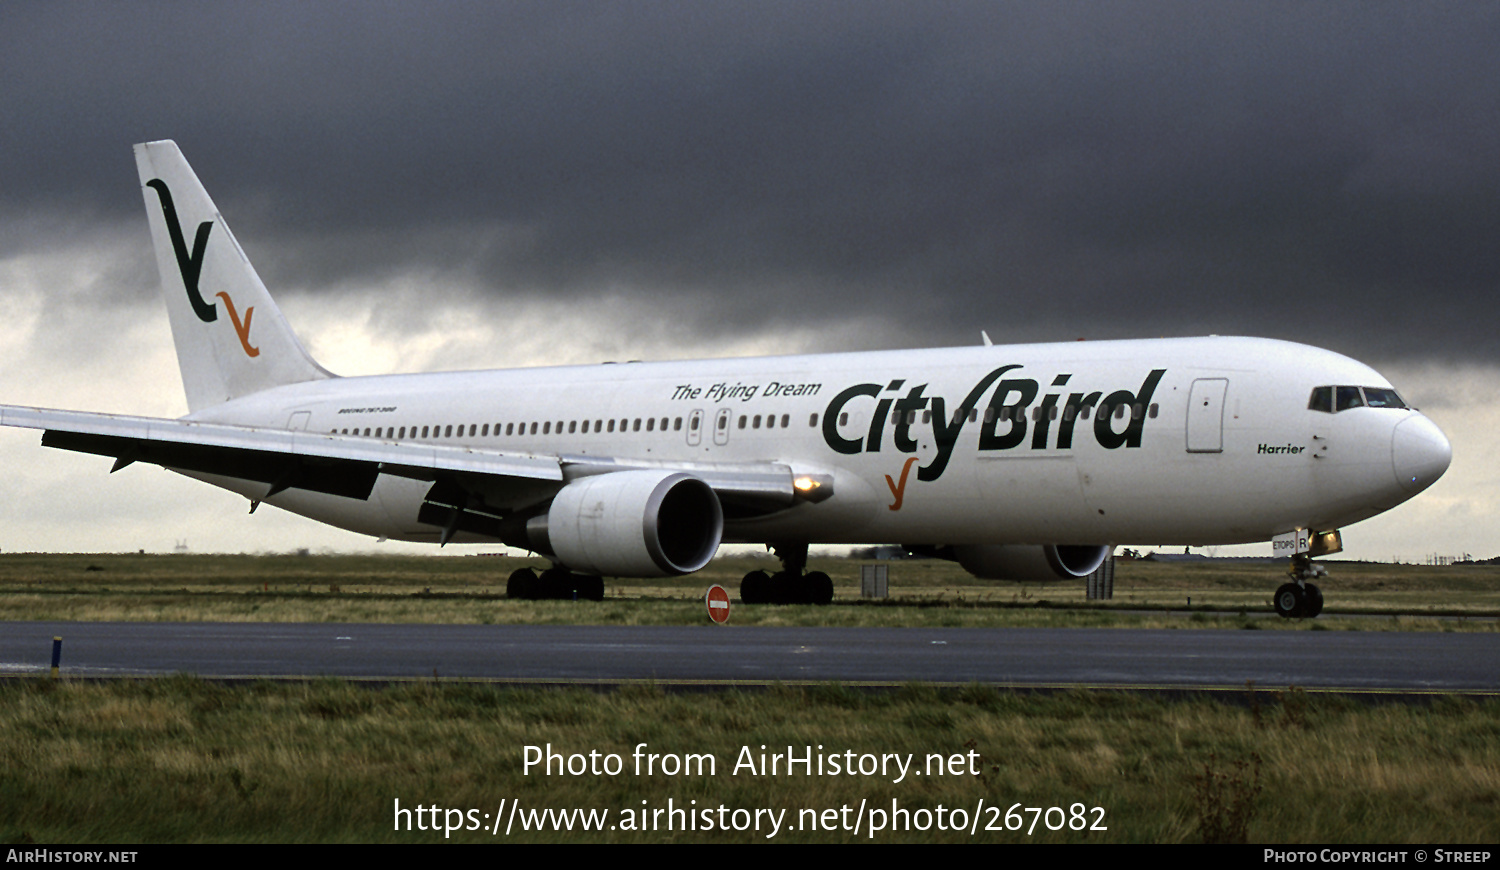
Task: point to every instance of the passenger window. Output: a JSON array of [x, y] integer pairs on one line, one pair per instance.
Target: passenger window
[[812, 421], [677, 424], [742, 421], [786, 420], [755, 424]]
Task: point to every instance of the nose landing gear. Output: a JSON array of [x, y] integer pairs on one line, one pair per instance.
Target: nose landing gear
[[1300, 599]]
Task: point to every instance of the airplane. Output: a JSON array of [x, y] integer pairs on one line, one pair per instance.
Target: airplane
[[1020, 462]]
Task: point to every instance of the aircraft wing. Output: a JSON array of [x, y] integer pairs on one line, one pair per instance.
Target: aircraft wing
[[348, 465]]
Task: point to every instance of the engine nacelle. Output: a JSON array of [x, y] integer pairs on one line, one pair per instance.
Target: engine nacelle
[[1019, 562], [632, 524]]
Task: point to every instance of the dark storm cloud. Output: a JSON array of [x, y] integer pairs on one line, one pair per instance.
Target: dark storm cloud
[[1323, 172]]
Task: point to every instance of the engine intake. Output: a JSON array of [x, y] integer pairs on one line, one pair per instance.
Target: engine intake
[[632, 524]]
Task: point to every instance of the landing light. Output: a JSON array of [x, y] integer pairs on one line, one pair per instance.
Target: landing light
[[1324, 543], [813, 487]]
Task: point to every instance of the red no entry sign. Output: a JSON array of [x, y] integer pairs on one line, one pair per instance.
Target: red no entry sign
[[718, 604]]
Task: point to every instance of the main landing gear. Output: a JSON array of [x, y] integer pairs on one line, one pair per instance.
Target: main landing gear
[[556, 582], [791, 585], [1300, 599]]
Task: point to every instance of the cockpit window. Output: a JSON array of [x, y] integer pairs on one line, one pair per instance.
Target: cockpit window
[[1377, 397], [1331, 400]]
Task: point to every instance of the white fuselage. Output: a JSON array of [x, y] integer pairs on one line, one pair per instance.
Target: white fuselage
[[1215, 442]]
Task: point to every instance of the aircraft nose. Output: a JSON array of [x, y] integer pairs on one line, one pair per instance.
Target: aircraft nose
[[1420, 453]]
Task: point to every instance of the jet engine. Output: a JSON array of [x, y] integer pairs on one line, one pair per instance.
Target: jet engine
[[1018, 562], [632, 524]]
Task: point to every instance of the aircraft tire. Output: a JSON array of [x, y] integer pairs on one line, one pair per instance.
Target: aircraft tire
[[1290, 601], [1313, 604], [755, 588], [590, 587], [783, 588], [520, 584], [817, 588], [555, 583]]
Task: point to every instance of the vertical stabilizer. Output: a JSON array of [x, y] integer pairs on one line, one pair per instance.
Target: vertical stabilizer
[[231, 338]]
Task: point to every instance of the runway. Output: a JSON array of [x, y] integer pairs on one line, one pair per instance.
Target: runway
[[713, 655]]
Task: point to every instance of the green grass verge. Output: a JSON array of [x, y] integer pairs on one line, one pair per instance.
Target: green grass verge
[[180, 760], [924, 593]]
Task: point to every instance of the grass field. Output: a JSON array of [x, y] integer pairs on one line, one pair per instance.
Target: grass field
[[181, 760], [458, 589]]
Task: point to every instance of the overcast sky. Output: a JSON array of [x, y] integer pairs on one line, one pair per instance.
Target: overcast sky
[[462, 185]]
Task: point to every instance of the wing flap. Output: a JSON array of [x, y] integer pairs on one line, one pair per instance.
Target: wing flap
[[278, 470], [282, 459], [348, 465]]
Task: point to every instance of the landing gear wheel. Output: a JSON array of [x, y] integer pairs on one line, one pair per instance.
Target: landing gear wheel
[[756, 588], [793, 584], [1290, 601], [590, 587], [817, 588], [554, 583], [1312, 604], [782, 585], [521, 583]]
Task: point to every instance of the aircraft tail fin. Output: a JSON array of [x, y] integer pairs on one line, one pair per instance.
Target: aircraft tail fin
[[231, 338]]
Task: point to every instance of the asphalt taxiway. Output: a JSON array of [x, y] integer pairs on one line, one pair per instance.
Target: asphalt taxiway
[[730, 655]]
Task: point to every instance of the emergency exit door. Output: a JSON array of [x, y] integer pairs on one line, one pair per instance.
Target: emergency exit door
[[1205, 417]]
